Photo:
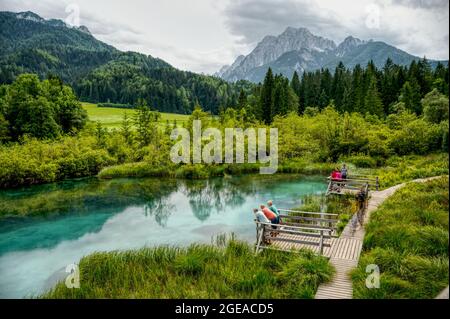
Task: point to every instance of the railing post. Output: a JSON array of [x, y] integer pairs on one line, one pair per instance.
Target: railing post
[[377, 183], [260, 237], [321, 243], [257, 232]]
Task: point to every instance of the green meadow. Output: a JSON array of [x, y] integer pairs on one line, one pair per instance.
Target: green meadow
[[112, 117]]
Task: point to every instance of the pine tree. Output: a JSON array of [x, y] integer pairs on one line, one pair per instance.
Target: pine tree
[[338, 85], [242, 101], [373, 103], [424, 76], [266, 97], [388, 89], [296, 87], [167, 128], [100, 134], [410, 96], [146, 122], [126, 129]]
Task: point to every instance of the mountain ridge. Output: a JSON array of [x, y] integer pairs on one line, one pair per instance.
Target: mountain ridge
[[298, 50]]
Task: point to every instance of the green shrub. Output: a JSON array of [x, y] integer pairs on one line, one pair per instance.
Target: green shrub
[[116, 105], [363, 161], [36, 162]]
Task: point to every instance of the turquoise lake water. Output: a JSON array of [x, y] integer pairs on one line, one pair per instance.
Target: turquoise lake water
[[85, 216]]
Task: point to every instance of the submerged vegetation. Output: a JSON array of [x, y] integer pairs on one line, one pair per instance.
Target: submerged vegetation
[[226, 270], [407, 238]]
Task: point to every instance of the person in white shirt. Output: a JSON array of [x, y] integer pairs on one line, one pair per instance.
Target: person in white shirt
[[260, 217]]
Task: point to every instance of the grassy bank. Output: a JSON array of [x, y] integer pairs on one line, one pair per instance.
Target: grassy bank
[[229, 270], [407, 237], [200, 171], [397, 170]]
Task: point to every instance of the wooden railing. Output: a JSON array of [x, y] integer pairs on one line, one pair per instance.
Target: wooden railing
[[322, 227], [355, 182]]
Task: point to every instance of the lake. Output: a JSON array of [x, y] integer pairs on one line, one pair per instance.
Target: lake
[[74, 218]]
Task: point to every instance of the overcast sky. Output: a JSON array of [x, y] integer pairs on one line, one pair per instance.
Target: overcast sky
[[203, 35]]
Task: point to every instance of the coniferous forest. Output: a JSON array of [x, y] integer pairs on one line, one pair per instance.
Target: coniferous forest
[[361, 89]]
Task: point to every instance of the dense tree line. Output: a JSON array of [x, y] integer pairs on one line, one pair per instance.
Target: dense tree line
[[129, 79], [364, 90], [100, 73]]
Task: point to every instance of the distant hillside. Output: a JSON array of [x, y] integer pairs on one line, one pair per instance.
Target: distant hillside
[[299, 50], [101, 73]]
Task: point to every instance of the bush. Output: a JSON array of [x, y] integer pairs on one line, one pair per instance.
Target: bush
[[362, 161], [35, 162], [116, 105]]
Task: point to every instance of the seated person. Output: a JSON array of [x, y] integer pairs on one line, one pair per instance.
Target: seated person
[[260, 217], [273, 208], [336, 175], [274, 219]]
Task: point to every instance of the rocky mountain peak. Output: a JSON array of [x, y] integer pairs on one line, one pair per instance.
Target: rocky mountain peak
[[272, 47], [28, 15], [349, 44], [31, 16], [297, 49], [84, 29]]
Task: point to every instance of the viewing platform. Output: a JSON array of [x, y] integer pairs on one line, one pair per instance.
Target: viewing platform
[[317, 231], [352, 184]]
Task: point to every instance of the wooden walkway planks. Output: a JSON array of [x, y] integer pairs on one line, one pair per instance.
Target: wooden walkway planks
[[341, 286], [344, 257], [282, 245]]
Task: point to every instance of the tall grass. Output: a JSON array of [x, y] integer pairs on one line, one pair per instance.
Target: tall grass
[[407, 237], [201, 171], [230, 270]]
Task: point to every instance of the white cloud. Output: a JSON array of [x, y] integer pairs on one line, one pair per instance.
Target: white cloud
[[419, 27], [203, 35]]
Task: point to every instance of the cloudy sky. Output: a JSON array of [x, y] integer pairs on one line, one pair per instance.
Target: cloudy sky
[[203, 35]]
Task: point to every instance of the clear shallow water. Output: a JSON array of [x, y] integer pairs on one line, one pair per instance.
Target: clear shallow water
[[90, 215]]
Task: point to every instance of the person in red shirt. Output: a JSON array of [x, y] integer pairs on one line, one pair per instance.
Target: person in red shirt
[[336, 175], [274, 219], [270, 215]]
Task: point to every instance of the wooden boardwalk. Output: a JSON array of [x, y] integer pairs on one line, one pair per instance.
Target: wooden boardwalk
[[283, 245], [346, 249]]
